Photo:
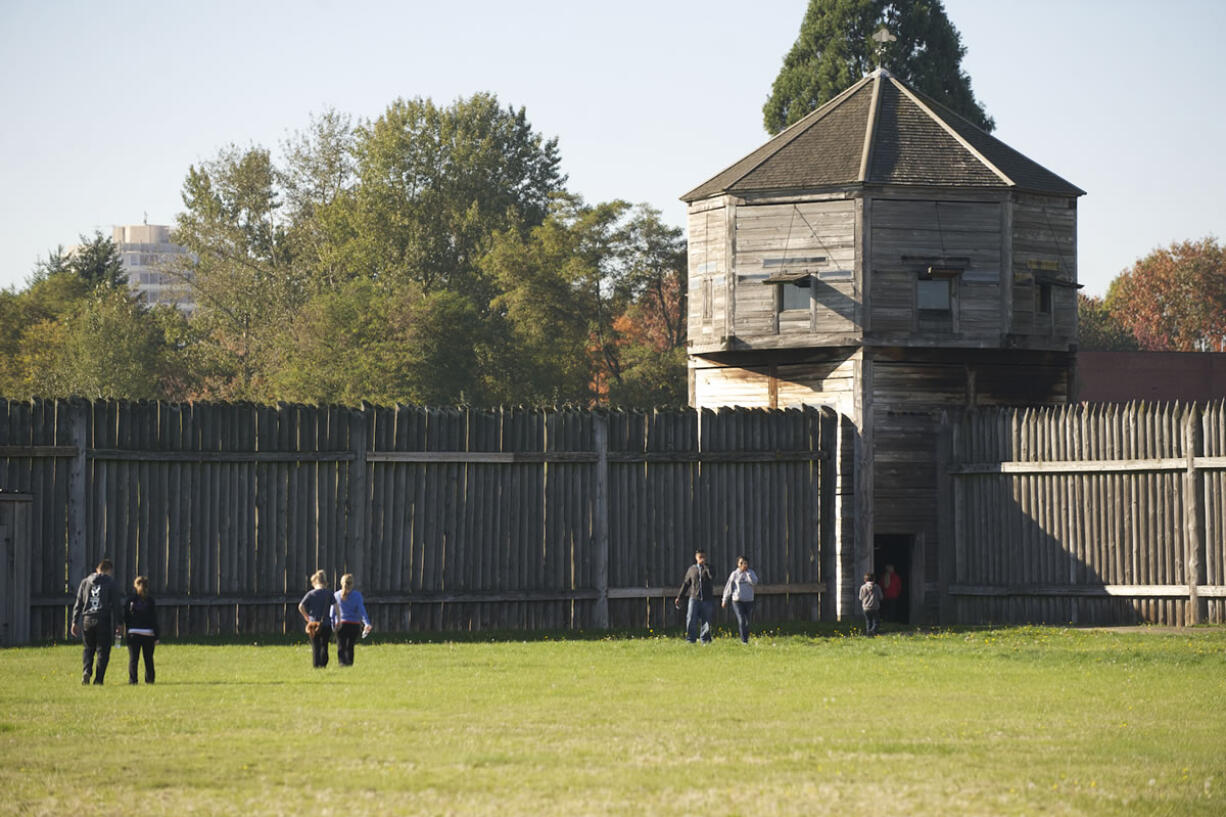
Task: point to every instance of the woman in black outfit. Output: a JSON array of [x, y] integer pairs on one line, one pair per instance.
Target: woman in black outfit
[[316, 610], [141, 620]]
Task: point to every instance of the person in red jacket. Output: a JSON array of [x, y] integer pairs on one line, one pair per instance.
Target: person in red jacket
[[891, 592]]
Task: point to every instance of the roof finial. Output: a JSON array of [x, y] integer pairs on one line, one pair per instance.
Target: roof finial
[[882, 36]]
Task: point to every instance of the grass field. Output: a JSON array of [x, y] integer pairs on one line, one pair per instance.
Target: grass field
[[987, 722]]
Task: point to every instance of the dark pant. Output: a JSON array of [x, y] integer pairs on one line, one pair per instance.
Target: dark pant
[[743, 610], [138, 644], [346, 636], [871, 619], [97, 634], [319, 645], [699, 612]]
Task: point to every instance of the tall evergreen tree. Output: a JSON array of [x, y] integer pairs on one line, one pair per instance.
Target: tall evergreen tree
[[97, 262], [836, 48]]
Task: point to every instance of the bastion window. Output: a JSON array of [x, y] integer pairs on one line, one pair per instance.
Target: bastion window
[[795, 295]]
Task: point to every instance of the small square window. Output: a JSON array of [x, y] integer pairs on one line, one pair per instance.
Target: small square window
[[794, 296], [933, 295]]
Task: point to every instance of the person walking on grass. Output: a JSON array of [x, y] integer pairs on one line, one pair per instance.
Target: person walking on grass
[[140, 620], [701, 610], [870, 603], [739, 588], [316, 609], [349, 619], [96, 619]]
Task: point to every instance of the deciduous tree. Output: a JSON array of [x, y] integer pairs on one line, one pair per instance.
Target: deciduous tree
[[241, 270], [1098, 331], [1174, 298], [434, 183]]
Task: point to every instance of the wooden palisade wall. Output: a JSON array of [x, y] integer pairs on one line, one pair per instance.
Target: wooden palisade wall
[[1091, 514], [450, 518]]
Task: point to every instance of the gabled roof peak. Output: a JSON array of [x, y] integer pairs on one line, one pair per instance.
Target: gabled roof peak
[[879, 131]]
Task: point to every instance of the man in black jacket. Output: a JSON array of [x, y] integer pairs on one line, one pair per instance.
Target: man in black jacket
[[697, 585], [96, 615]]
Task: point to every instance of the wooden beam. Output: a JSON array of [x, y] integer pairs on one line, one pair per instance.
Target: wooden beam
[[492, 597], [1091, 466], [1217, 591], [799, 588], [37, 451], [126, 455]]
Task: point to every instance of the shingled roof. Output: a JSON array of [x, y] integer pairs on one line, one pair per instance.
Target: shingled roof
[[879, 131]]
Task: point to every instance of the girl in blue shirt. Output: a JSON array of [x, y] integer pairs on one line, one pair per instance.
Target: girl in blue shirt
[[350, 620]]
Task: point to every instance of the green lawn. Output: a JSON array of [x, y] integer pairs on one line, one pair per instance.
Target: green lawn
[[995, 722]]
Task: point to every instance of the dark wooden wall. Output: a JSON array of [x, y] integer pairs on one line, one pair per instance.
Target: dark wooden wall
[[1090, 514], [1117, 377], [450, 518]]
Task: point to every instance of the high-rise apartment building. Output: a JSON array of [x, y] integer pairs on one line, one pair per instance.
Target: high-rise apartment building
[[148, 254]]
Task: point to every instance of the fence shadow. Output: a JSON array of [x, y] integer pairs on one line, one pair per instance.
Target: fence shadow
[[1090, 514]]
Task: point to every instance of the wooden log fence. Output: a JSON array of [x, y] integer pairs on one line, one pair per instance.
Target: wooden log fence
[[1090, 514], [452, 519]]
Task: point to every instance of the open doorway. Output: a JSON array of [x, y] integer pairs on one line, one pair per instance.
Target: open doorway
[[894, 550]]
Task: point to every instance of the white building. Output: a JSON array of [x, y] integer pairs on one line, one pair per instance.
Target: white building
[[148, 254]]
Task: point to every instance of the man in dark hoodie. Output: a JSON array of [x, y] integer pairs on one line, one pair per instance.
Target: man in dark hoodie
[[697, 586], [96, 616]]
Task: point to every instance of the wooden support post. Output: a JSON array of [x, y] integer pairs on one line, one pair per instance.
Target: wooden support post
[[600, 432], [78, 415], [947, 508], [1192, 442], [826, 506], [358, 499], [865, 482]]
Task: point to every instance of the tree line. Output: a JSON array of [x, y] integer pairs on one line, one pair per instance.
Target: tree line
[[430, 255]]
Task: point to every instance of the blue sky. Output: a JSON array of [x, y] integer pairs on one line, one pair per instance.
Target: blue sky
[[106, 104]]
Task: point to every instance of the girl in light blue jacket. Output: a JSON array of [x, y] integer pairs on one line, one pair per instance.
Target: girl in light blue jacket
[[349, 619], [739, 588]]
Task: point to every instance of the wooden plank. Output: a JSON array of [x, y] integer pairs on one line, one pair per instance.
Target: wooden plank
[[1116, 466], [1139, 591], [39, 451], [669, 592], [77, 496], [1193, 519], [216, 456]]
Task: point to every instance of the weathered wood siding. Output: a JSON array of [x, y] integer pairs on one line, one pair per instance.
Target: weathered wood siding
[[708, 272], [767, 236], [905, 231], [450, 518], [1091, 514], [776, 385], [1044, 243]]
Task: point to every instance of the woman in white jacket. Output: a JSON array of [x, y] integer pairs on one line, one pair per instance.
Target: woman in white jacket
[[739, 588]]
